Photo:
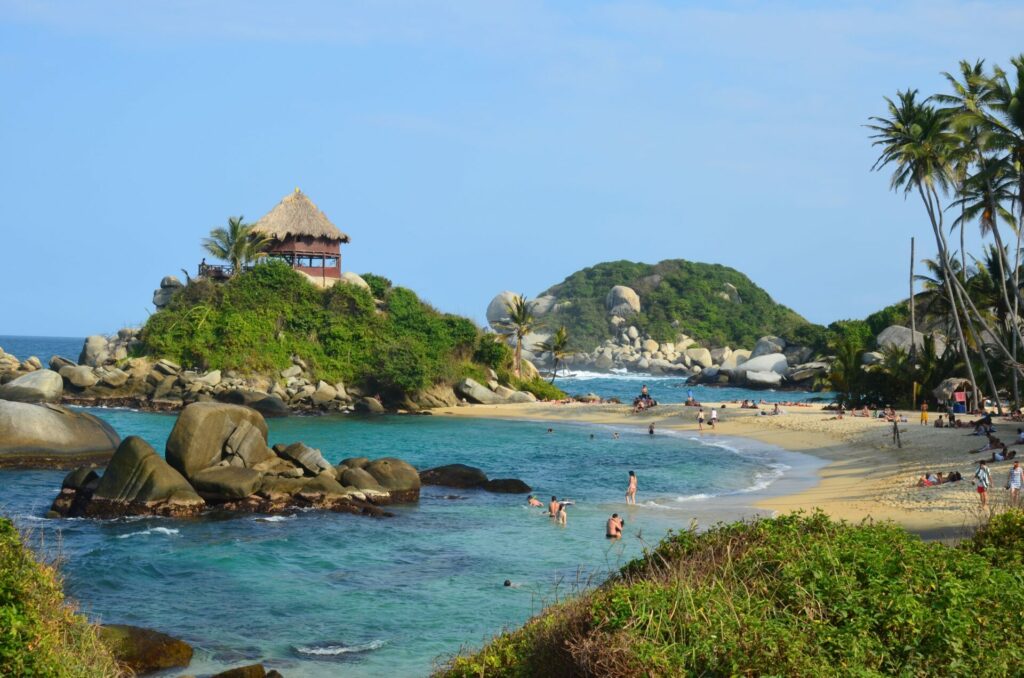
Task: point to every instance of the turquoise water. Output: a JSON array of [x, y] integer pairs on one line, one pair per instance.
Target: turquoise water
[[332, 594]]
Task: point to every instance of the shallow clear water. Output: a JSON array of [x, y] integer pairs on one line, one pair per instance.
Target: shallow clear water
[[319, 594]]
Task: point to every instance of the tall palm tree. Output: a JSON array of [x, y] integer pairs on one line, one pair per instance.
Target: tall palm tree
[[236, 244], [845, 373], [558, 346], [519, 324], [916, 139]]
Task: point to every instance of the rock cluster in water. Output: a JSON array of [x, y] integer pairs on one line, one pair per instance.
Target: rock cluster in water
[[47, 435], [465, 477], [218, 456]]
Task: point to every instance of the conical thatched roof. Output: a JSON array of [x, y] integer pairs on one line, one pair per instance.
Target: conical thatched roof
[[297, 215]]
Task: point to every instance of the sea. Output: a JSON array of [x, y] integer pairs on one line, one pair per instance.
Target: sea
[[321, 594]]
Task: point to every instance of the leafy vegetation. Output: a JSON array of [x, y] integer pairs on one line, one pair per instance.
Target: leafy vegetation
[[798, 595], [676, 296], [236, 244], [40, 634], [257, 321]]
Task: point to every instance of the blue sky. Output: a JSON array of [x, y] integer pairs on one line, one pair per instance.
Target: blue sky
[[466, 147]]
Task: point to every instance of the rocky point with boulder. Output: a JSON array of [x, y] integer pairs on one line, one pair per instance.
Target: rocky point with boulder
[[47, 435], [218, 457]]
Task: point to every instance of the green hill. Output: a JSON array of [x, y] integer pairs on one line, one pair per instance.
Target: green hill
[[792, 596], [714, 304], [384, 340]]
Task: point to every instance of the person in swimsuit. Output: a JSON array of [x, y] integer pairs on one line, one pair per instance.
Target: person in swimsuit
[[982, 479], [613, 530], [631, 490], [650, 429], [562, 517], [700, 419], [553, 507], [533, 501], [924, 414], [1014, 481]]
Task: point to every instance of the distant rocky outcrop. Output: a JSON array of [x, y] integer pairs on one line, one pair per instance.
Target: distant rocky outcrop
[[467, 477], [218, 457], [162, 296], [33, 436]]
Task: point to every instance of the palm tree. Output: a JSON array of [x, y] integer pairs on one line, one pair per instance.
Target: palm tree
[[917, 140], [519, 323], [236, 244], [845, 373], [558, 346]]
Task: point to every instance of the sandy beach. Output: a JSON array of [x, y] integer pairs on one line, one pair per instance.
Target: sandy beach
[[866, 475]]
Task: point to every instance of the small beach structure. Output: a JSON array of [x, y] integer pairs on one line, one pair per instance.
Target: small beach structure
[[304, 237]]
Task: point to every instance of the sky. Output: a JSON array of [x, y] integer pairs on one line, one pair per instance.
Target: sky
[[466, 147]]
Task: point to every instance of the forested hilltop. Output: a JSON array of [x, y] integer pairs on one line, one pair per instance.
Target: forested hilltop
[[714, 304]]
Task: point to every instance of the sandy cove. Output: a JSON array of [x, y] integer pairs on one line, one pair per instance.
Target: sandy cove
[[866, 475]]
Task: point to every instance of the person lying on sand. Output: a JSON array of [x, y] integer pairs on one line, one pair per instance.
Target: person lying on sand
[[1003, 454]]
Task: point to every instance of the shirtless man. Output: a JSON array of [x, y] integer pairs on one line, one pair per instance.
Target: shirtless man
[[631, 490], [553, 507], [533, 501], [614, 527]]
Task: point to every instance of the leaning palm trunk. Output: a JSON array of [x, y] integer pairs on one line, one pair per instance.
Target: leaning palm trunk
[[935, 215]]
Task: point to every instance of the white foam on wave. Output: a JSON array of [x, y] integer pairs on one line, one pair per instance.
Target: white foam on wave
[[338, 650], [167, 531], [584, 375], [274, 519]]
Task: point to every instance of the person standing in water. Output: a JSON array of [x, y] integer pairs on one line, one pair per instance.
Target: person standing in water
[[553, 507], [650, 429], [700, 419], [631, 490], [613, 530]]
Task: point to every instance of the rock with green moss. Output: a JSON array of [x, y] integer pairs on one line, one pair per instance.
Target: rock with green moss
[[144, 650]]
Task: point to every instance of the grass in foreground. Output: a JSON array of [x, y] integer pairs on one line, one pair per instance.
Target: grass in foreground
[[799, 595], [40, 633]]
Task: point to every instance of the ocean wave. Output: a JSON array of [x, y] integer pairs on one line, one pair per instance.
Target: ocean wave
[[338, 650], [584, 375], [167, 531], [273, 519]]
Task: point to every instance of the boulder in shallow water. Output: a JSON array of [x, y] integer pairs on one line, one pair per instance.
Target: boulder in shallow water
[[138, 480], [200, 436], [360, 479], [52, 436], [266, 404], [764, 379], [507, 486], [41, 386], [306, 457], [251, 671], [145, 650], [223, 483], [397, 477], [454, 475]]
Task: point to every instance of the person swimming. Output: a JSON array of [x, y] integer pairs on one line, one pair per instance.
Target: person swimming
[[533, 501]]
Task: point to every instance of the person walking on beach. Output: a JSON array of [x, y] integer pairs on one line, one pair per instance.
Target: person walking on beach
[[613, 530], [631, 490], [714, 417], [700, 419], [924, 414], [1013, 483], [983, 479]]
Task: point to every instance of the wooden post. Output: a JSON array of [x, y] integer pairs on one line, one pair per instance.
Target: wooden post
[[913, 330]]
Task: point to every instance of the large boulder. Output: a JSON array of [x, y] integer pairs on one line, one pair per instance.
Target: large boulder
[[41, 386], [772, 362], [266, 404], [764, 379], [897, 336], [622, 301], [807, 371], [137, 477], [144, 650], [541, 306], [767, 345], [80, 376], [222, 483], [360, 479], [95, 351], [305, 457], [399, 478], [200, 437], [497, 310], [454, 475], [700, 356], [475, 392], [350, 278], [507, 486], [735, 359], [438, 395], [50, 435]]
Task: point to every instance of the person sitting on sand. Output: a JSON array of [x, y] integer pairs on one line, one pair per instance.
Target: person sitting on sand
[[533, 501], [776, 410], [613, 530]]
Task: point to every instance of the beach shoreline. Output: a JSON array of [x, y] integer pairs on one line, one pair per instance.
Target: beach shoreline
[[863, 475]]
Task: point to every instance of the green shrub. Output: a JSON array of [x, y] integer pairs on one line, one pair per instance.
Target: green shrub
[[40, 634], [538, 387], [379, 285], [798, 595], [259, 320], [1001, 540], [492, 351]]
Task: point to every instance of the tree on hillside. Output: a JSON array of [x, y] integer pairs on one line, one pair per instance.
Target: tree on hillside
[[558, 347], [236, 244], [520, 323]]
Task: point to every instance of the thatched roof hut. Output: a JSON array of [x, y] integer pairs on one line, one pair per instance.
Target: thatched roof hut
[[295, 217]]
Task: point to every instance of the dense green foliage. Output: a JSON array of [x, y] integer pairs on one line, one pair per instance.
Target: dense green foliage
[[259, 320], [40, 635], [676, 296], [799, 595]]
